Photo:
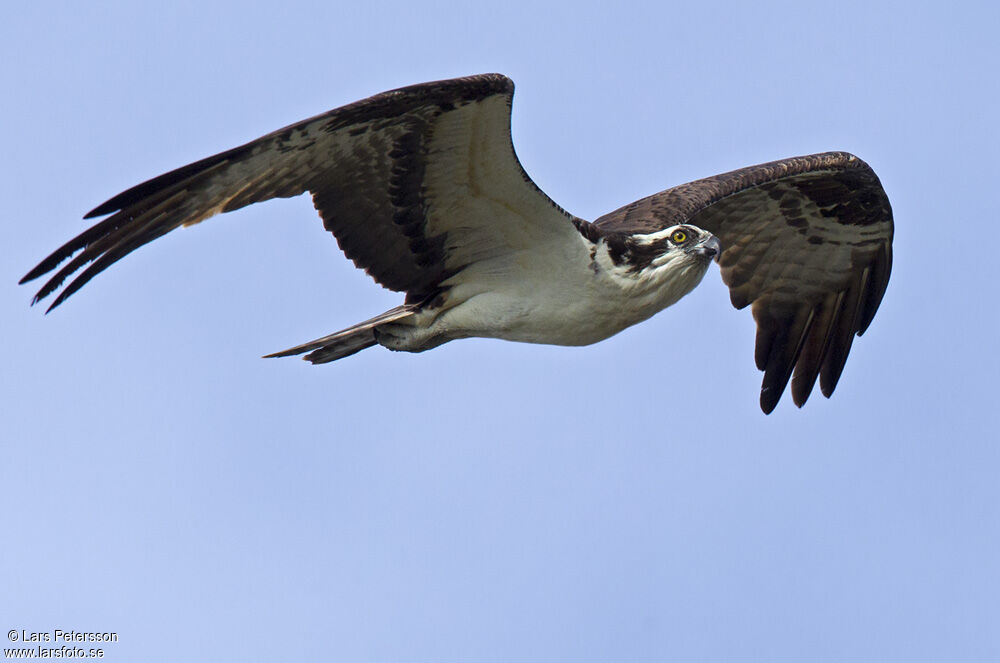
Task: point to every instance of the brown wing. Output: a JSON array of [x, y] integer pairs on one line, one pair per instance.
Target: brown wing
[[807, 241], [414, 183]]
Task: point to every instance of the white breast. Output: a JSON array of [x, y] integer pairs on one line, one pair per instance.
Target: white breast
[[560, 294]]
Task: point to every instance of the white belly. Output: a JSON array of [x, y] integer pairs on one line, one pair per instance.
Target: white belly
[[570, 300]]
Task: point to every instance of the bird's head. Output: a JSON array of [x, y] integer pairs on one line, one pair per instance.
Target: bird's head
[[677, 247], [671, 261]]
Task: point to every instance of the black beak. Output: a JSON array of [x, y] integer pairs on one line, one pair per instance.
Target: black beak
[[710, 248]]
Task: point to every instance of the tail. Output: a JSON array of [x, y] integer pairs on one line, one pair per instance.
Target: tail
[[347, 341]]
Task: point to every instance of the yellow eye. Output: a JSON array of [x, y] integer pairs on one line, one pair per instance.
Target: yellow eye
[[679, 237]]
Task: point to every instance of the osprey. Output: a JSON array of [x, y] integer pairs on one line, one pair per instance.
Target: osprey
[[422, 189]]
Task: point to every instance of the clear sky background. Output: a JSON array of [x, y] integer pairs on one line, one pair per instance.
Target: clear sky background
[[491, 501]]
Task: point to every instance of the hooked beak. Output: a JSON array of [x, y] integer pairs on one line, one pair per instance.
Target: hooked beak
[[709, 248]]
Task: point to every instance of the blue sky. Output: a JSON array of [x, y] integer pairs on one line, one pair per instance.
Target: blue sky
[[491, 501]]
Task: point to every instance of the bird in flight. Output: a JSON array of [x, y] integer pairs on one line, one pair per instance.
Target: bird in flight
[[422, 189]]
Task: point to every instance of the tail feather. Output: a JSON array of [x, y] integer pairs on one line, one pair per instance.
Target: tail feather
[[346, 342]]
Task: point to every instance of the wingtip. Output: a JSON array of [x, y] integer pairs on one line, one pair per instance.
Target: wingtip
[[36, 299], [35, 272], [767, 401], [107, 207], [59, 300]]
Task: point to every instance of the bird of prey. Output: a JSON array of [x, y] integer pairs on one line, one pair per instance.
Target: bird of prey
[[422, 189]]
